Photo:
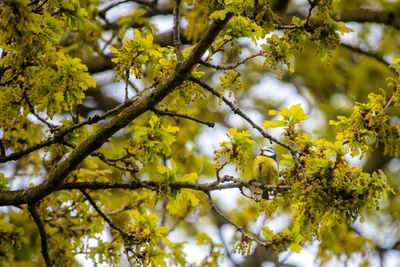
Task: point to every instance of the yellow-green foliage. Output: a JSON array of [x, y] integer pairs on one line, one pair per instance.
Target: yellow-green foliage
[[235, 150], [369, 124], [134, 54], [153, 140], [231, 81], [215, 250], [326, 190]]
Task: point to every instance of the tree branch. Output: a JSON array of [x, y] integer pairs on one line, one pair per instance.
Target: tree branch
[[139, 104], [369, 54], [102, 12], [219, 67], [172, 114], [367, 15], [109, 162], [176, 31], [245, 236], [43, 237], [32, 110], [110, 223], [205, 187]]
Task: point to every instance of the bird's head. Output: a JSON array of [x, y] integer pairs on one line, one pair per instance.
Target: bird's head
[[268, 152]]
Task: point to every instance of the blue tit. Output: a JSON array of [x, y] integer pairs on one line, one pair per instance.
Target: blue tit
[[265, 168]]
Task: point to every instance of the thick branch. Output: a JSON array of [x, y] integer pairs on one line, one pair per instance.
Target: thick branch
[[206, 187], [141, 103], [43, 237]]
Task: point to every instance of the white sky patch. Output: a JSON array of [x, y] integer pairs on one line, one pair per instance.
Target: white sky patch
[[351, 37], [164, 23], [206, 144], [124, 9], [276, 90], [340, 101], [315, 120]]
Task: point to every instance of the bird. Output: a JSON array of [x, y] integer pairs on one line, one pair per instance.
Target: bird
[[266, 168]]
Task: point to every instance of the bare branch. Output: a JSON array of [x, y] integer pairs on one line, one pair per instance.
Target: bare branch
[[219, 67], [313, 4], [369, 54], [225, 182], [245, 236], [172, 114], [176, 31], [43, 237], [110, 162], [110, 223], [103, 11], [219, 169], [32, 110], [126, 86]]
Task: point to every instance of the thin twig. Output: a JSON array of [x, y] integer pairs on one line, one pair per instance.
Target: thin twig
[[173, 114], [223, 216], [176, 31], [110, 223], [134, 87], [294, 152], [43, 237], [245, 236], [369, 54], [126, 85], [112, 163], [75, 118], [103, 11], [219, 67], [102, 157], [220, 169], [390, 102], [313, 4], [32, 110], [38, 9]]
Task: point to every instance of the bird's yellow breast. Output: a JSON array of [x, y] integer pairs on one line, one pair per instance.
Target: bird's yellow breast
[[265, 169]]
